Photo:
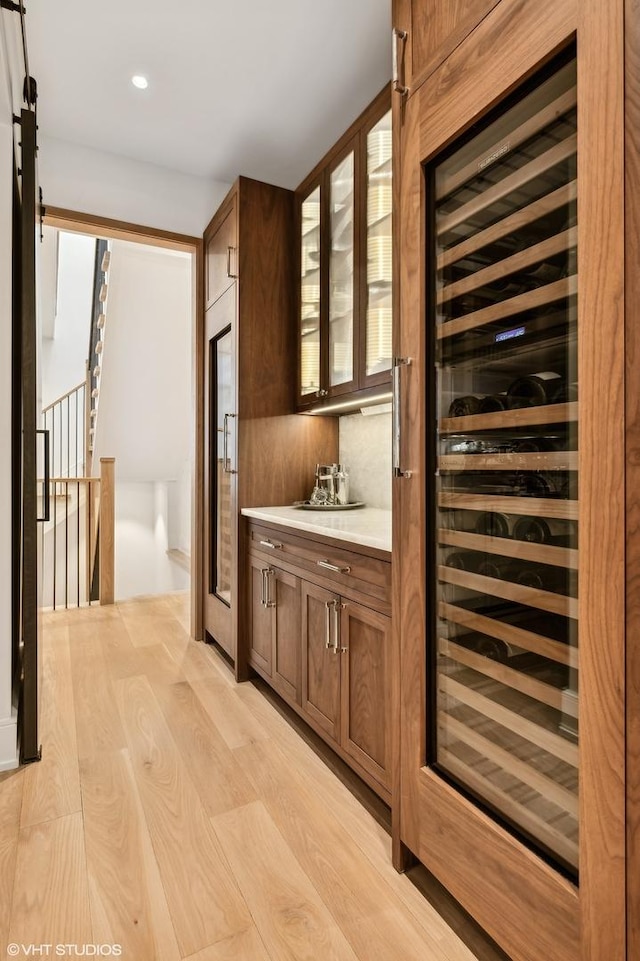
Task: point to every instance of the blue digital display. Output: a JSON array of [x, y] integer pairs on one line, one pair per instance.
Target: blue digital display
[[510, 334]]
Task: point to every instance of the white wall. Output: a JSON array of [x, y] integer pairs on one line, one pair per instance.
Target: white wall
[[142, 564], [106, 185], [365, 450], [144, 414], [8, 746], [65, 354]]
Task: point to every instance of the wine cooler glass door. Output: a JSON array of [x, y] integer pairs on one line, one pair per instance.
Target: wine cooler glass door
[[504, 692]]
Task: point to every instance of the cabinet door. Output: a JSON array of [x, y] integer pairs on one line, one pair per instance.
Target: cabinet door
[[311, 359], [261, 619], [321, 658], [434, 28], [365, 643], [221, 548], [284, 590], [344, 251], [377, 281], [221, 261]]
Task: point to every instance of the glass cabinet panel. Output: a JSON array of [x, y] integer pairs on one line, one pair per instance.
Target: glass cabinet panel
[[222, 419], [379, 248], [341, 274], [310, 299], [503, 291]]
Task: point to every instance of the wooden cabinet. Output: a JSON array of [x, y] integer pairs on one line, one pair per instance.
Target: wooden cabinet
[[513, 776], [318, 619], [426, 33], [256, 450], [274, 626], [345, 265]]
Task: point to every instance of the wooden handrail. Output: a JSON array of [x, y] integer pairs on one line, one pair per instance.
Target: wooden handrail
[[62, 397]]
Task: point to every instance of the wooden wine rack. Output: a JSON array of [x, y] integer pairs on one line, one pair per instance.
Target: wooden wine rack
[[506, 705]]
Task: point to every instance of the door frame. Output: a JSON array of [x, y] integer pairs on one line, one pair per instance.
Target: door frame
[[92, 224]]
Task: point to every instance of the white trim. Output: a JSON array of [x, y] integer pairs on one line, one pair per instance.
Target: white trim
[[9, 742]]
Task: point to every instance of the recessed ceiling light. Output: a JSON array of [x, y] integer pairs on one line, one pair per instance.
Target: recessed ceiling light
[[140, 82]]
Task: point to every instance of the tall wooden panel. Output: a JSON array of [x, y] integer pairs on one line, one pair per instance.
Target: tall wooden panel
[[519, 897]]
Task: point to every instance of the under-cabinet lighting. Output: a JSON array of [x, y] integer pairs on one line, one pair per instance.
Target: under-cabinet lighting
[[377, 409], [350, 406], [139, 81]]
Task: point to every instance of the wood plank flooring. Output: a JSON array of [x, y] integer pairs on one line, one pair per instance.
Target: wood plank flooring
[[178, 815]]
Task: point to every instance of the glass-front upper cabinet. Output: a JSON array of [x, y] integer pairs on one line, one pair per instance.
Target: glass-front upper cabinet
[[379, 200], [341, 271], [310, 294], [345, 315], [504, 702]]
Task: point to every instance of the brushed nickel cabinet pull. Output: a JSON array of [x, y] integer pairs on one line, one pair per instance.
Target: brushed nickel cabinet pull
[[269, 600], [398, 37], [333, 567], [398, 364], [271, 545], [229, 274], [337, 607], [225, 445], [327, 625]]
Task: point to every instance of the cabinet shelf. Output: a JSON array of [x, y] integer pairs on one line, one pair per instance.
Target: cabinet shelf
[[382, 172], [496, 587], [557, 244], [555, 508], [505, 188], [520, 417], [540, 297], [536, 723], [558, 198], [505, 547], [537, 461], [545, 785], [510, 634], [380, 227], [535, 124], [530, 686]]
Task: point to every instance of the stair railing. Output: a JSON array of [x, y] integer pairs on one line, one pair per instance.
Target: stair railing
[[78, 540], [66, 418]]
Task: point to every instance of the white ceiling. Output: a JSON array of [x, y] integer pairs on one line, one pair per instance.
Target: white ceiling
[[255, 87]]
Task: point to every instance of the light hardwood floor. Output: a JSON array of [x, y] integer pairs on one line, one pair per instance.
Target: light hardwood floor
[[178, 815]]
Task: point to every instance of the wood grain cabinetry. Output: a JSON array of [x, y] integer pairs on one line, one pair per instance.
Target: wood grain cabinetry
[[426, 33], [345, 265], [256, 450], [513, 791], [320, 633]]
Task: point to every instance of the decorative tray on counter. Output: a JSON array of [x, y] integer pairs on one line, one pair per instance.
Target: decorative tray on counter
[[308, 506]]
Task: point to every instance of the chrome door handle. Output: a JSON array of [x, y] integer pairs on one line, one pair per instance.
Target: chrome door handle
[[225, 445], [229, 274], [333, 567], [398, 37], [270, 544], [398, 363], [263, 598], [327, 624]]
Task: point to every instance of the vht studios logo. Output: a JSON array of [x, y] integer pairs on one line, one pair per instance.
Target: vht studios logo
[[15, 950]]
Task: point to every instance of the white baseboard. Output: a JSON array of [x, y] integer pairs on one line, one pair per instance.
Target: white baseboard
[[9, 742]]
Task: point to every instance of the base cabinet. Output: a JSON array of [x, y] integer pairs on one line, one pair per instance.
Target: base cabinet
[[274, 608], [324, 650]]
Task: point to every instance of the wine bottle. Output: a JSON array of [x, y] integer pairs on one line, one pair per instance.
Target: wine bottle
[[541, 530], [492, 524], [565, 394], [533, 390], [493, 402], [463, 561], [532, 445], [463, 406], [501, 567]]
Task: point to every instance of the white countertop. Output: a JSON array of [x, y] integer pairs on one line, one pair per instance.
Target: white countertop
[[369, 526]]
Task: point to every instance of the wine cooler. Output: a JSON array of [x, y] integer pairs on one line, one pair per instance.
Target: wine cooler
[[503, 698]]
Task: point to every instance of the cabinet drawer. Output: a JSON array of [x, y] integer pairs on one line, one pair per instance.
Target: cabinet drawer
[[345, 569]]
